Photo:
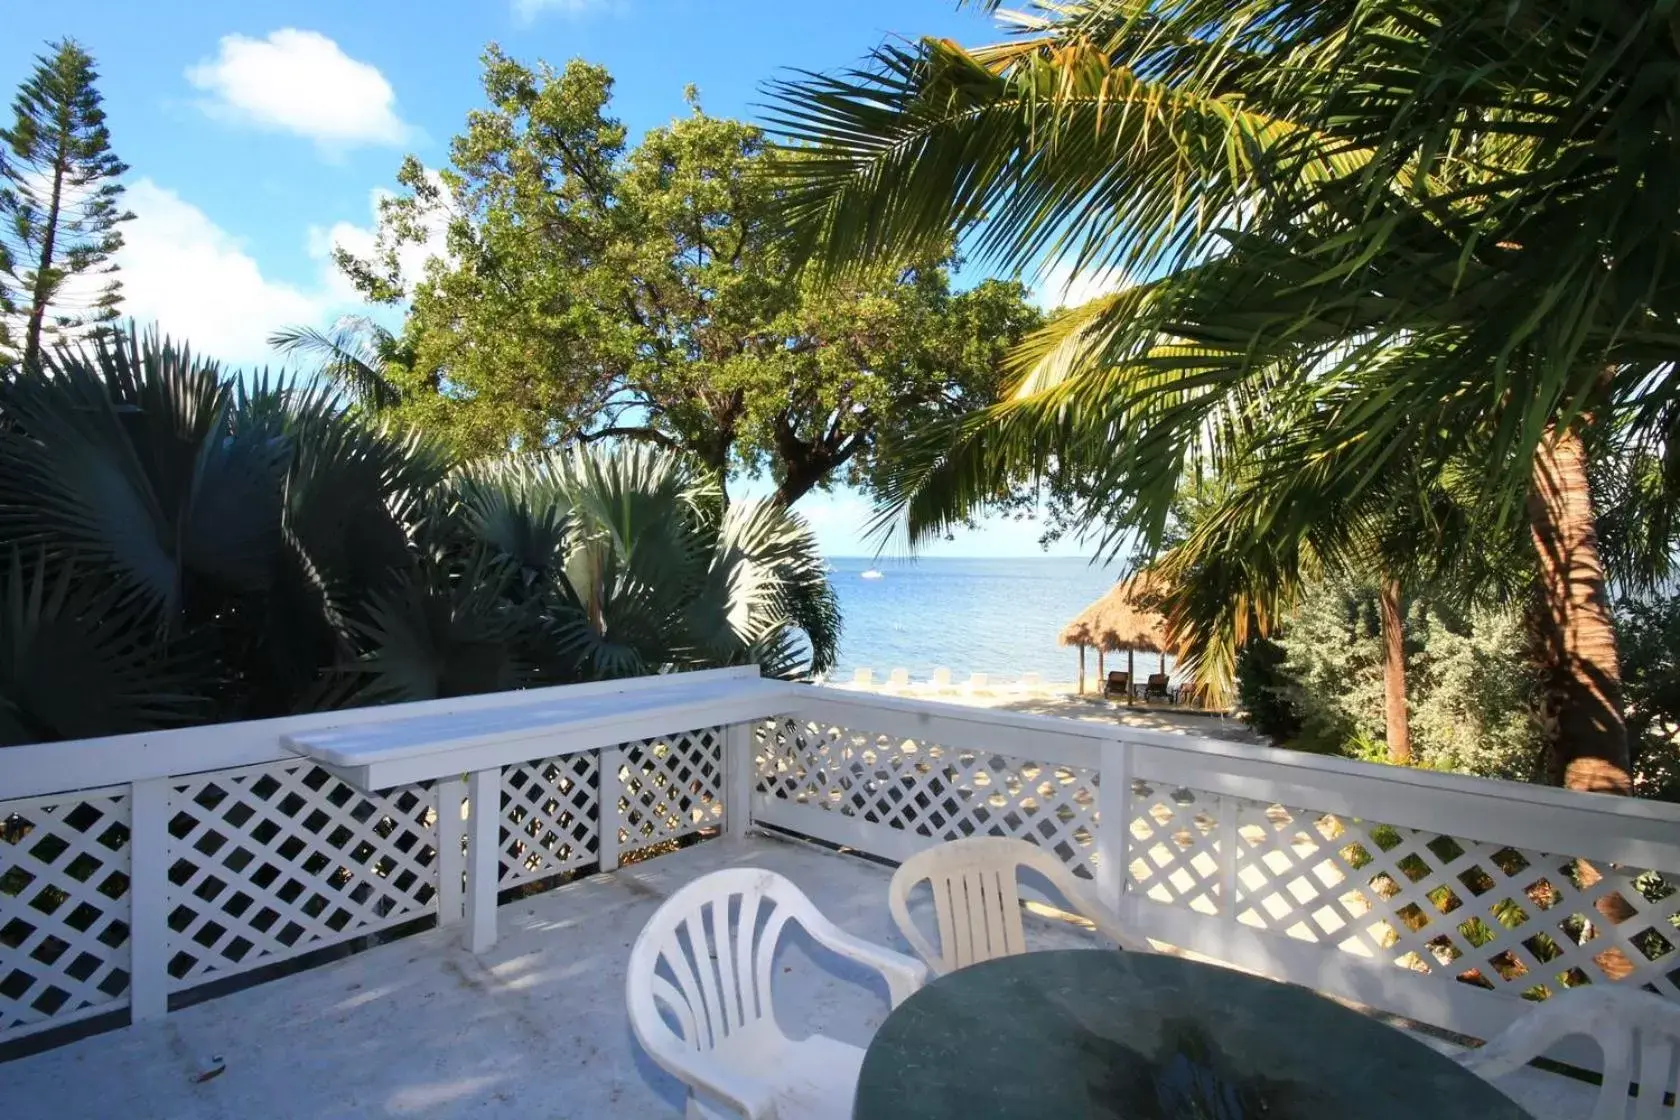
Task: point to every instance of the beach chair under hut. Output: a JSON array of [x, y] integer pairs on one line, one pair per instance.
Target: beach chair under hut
[[1121, 620]]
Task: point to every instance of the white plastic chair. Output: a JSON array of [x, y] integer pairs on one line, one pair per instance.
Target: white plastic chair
[[941, 679], [898, 678], [977, 682], [1638, 1032], [1031, 683], [712, 970], [977, 900], [864, 677]]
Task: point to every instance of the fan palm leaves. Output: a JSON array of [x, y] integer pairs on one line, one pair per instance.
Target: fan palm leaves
[[188, 547], [79, 655]]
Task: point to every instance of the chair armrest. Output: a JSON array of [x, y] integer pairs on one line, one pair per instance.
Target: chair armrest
[[1518, 1044], [904, 975], [751, 1098]]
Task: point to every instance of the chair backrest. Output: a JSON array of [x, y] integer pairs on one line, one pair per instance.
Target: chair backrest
[[706, 955], [1638, 1032], [899, 677], [977, 899], [863, 676], [942, 678], [1157, 682]]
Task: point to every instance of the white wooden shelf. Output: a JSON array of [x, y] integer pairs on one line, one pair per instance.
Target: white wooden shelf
[[376, 756]]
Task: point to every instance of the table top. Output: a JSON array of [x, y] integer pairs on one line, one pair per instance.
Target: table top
[[1142, 1036]]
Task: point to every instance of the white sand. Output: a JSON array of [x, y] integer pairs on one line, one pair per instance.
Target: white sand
[[1064, 702]]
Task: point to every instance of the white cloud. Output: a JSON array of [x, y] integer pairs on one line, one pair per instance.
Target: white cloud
[[187, 274], [530, 9], [362, 241], [300, 82]]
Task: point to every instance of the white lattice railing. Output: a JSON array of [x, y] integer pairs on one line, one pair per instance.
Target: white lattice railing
[[210, 852], [194, 871], [1445, 898]]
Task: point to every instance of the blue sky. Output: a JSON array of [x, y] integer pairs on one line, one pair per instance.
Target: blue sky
[[259, 133]]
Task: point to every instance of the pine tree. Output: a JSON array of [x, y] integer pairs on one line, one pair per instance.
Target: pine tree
[[60, 198]]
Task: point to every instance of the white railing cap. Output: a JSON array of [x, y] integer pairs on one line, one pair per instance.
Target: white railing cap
[[391, 752]]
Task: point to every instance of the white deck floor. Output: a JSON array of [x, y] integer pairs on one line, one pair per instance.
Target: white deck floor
[[534, 1028]]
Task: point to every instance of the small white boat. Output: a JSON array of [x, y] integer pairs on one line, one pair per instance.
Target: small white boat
[[873, 573]]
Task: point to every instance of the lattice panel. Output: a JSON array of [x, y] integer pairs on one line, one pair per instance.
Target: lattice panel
[[940, 792], [670, 787], [1174, 847], [1446, 908], [273, 860], [64, 939], [550, 817]]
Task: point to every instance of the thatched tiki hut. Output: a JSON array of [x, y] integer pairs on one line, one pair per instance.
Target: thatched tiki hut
[[1120, 620]]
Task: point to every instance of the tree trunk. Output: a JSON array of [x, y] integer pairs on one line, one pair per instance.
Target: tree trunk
[[1575, 639], [793, 487], [1397, 727], [42, 294]]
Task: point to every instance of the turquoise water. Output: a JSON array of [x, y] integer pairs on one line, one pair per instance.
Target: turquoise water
[[998, 617]]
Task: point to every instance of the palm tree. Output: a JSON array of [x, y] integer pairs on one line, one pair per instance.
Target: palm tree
[[182, 547], [1383, 232], [356, 357]]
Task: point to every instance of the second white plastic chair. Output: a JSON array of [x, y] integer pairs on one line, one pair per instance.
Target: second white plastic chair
[[707, 958], [1638, 1032], [977, 900]]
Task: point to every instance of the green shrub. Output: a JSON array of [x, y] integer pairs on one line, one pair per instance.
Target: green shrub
[[1469, 688], [1648, 634], [1266, 692]]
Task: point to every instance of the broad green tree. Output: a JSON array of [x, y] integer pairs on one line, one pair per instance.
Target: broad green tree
[[1373, 235], [60, 206], [593, 291]]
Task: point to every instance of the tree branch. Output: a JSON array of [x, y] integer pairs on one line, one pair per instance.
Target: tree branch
[[646, 435]]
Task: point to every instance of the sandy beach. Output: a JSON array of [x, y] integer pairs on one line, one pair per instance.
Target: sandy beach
[[1063, 701]]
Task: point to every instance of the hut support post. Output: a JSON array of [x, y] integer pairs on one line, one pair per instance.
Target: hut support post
[[1131, 675], [1102, 677], [1082, 668]]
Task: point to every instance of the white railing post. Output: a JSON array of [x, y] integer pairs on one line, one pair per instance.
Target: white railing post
[[1114, 795], [484, 813], [738, 770], [1228, 850], [148, 895], [610, 791], [452, 857]]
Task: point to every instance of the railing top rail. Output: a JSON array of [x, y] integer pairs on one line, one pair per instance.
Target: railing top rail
[[45, 768]]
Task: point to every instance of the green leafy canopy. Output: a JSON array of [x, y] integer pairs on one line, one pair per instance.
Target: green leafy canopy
[[592, 291]]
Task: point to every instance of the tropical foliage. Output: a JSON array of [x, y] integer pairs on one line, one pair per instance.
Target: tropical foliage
[[183, 546], [1470, 694], [1317, 684], [1381, 244], [592, 291]]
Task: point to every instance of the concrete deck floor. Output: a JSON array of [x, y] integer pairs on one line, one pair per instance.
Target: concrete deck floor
[[534, 1028]]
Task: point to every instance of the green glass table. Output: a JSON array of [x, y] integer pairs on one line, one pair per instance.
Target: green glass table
[[1138, 1036]]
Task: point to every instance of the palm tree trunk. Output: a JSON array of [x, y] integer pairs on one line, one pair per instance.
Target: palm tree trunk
[[1397, 725], [1575, 639]]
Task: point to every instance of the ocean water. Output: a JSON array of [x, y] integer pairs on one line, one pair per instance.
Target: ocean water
[[999, 617]]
